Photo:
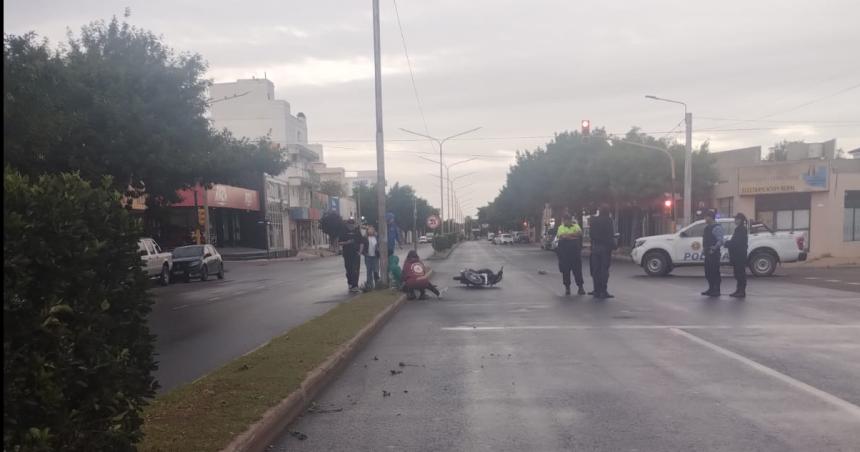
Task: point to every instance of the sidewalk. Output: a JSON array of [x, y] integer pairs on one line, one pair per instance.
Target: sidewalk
[[826, 262]]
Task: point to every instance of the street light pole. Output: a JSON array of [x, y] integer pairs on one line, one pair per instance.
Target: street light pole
[[440, 142], [688, 158], [380, 148]]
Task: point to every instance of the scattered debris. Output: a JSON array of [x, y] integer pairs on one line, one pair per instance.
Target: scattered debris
[[541, 272], [375, 358], [405, 391], [244, 367], [299, 435], [402, 364], [395, 372], [317, 409], [482, 366], [385, 393]]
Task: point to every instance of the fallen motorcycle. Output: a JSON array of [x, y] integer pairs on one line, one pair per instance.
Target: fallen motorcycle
[[480, 278]]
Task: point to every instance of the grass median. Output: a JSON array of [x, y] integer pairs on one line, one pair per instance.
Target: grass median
[[207, 414]]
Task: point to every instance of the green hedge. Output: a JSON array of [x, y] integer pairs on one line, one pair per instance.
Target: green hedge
[[77, 353], [443, 242]]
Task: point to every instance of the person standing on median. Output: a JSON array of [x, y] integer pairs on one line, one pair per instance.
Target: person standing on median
[[737, 246], [393, 233], [602, 244], [712, 243], [569, 253], [371, 257], [350, 241]]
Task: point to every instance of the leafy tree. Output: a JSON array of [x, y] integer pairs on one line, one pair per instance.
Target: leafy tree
[[117, 101], [331, 188], [77, 353], [779, 151]]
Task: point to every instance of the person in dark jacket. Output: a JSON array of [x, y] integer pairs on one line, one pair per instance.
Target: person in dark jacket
[[712, 244], [569, 253], [351, 241], [602, 244], [737, 246]]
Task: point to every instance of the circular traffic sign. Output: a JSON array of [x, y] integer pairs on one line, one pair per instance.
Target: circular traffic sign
[[433, 222]]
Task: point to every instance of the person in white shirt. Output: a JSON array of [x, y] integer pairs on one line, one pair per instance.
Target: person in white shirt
[[371, 257]]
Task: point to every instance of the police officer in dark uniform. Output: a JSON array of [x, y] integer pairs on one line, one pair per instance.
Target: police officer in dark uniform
[[737, 246], [602, 244], [712, 243]]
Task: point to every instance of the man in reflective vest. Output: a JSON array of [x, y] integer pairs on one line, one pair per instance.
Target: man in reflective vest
[[569, 253]]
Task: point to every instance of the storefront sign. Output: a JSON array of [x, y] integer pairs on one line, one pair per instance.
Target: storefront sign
[[225, 196], [799, 177]]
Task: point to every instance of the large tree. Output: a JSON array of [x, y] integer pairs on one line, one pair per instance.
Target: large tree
[[573, 172], [117, 101], [331, 188]]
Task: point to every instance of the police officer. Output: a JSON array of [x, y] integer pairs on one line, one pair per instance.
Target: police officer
[[737, 246], [569, 253], [712, 243], [602, 244]]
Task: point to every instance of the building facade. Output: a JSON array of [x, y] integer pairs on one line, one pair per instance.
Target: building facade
[[817, 196]]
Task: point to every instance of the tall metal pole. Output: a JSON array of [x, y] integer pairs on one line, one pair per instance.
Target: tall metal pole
[[414, 222], [688, 169], [441, 191], [380, 149]]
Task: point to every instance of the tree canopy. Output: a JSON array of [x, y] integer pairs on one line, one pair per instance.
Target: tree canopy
[[399, 201], [575, 172], [117, 101]]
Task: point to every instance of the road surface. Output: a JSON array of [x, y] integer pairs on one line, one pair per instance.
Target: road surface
[[659, 368], [200, 326]]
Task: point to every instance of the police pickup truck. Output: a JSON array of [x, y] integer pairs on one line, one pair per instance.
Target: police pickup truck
[[659, 254]]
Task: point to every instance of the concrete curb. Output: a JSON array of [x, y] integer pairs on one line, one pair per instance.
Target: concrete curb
[[263, 432]]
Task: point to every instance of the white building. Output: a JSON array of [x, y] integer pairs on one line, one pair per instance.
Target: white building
[[248, 109]]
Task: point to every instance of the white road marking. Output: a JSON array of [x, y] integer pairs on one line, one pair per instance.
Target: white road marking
[[849, 407], [855, 283], [834, 280], [811, 277], [649, 327], [180, 307]]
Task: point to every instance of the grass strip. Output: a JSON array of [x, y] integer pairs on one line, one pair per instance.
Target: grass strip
[[207, 414]]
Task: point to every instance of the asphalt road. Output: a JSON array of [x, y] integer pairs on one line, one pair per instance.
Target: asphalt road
[[659, 368], [200, 326]]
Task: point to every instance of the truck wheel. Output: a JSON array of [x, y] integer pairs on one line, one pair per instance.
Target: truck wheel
[[656, 263], [164, 277], [762, 263]]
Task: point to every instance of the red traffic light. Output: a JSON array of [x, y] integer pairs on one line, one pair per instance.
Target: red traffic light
[[586, 127], [667, 203]]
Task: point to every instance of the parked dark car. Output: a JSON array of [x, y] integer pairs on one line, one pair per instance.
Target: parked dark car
[[197, 261]]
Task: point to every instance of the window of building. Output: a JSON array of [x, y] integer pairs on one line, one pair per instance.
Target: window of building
[[724, 207], [851, 218]]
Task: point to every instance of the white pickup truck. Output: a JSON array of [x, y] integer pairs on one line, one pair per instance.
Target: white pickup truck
[[659, 254]]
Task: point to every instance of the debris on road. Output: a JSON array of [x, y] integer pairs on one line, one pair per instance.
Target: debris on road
[[375, 358], [541, 272], [396, 372], [317, 409], [298, 435], [385, 393]]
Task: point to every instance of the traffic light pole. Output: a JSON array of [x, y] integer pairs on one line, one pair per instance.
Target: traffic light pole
[[380, 149], [688, 168]]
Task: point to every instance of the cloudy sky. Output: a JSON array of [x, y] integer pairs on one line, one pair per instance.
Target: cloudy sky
[[753, 72]]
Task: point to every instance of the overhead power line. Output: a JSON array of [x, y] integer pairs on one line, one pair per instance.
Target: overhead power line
[[780, 121], [411, 72]]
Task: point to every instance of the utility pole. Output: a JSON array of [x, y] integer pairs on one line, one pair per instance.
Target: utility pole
[[380, 148], [688, 158], [414, 222], [688, 169]]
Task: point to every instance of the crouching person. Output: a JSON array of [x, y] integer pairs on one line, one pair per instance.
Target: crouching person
[[415, 278]]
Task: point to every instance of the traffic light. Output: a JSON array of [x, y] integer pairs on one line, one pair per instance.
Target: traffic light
[[586, 127], [667, 207]]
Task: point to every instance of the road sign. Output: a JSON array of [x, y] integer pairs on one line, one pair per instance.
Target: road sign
[[433, 222]]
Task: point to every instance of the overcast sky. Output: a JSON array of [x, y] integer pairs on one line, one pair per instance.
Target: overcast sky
[[521, 70]]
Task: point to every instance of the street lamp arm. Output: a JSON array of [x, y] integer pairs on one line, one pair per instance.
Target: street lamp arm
[[428, 159], [667, 100], [461, 161], [460, 134], [421, 135]]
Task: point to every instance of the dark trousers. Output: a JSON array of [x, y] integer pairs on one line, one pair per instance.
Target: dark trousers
[[712, 271], [411, 292], [740, 269], [601, 257], [570, 261], [352, 263]]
